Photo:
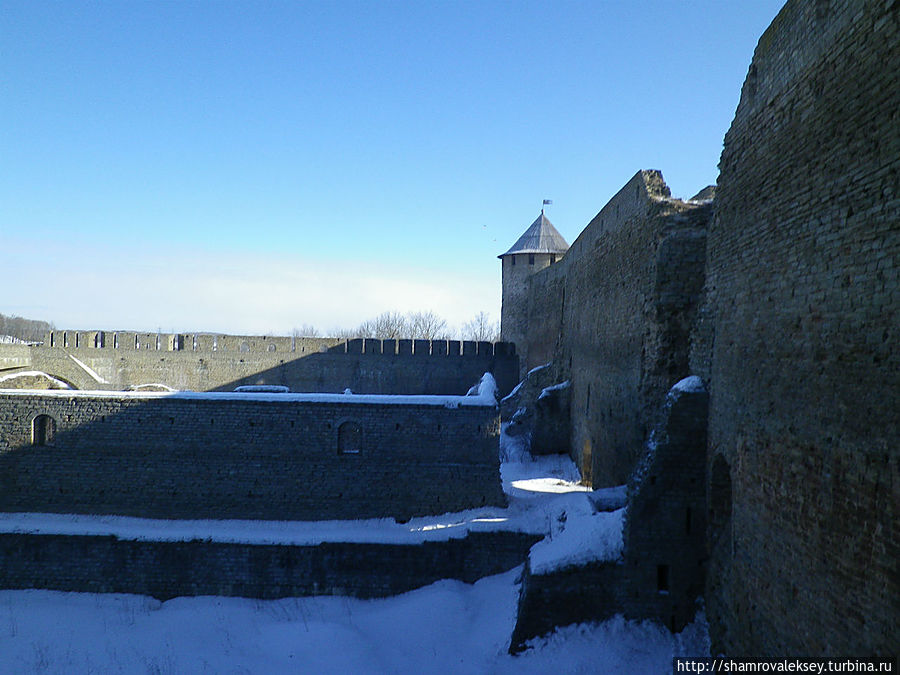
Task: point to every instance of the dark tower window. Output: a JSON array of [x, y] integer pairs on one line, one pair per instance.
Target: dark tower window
[[349, 438], [531, 258], [513, 259], [662, 578], [43, 429], [552, 258]]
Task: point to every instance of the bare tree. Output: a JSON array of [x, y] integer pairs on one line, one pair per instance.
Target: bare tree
[[426, 326], [344, 333], [306, 330], [481, 328], [390, 326]]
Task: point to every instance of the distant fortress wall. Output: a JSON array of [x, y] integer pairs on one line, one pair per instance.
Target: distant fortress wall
[[203, 362], [246, 456]]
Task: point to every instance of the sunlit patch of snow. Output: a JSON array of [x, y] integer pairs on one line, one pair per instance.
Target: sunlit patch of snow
[[534, 476], [548, 485]]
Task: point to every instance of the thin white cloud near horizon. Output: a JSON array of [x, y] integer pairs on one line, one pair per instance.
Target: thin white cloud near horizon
[[79, 286]]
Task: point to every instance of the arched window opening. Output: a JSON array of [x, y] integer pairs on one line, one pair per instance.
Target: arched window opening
[[349, 438], [245, 347], [43, 430]]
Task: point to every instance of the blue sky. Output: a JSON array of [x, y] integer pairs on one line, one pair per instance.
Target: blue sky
[[250, 167]]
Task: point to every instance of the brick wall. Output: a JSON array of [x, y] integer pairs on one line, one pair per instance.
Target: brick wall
[[517, 269], [162, 569], [545, 302], [232, 456], [805, 367], [619, 310], [665, 525], [222, 362]]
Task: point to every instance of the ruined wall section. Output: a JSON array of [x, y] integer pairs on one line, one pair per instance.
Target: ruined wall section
[[109, 360], [627, 292], [168, 569], [803, 287], [244, 456], [665, 522]]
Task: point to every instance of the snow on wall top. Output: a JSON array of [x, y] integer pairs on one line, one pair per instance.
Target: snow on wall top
[[485, 396], [584, 537]]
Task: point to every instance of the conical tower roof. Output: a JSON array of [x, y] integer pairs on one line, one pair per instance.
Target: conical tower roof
[[541, 237]]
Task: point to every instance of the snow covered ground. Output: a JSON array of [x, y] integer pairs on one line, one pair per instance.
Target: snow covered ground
[[447, 627]]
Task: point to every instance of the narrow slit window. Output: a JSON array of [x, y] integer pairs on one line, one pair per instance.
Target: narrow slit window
[[662, 578]]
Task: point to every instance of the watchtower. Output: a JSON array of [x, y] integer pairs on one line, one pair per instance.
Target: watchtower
[[540, 246]]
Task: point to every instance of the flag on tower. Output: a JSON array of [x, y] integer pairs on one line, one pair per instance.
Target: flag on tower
[[548, 201]]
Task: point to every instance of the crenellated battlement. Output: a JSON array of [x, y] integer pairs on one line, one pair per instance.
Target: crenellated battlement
[[216, 342], [123, 360]]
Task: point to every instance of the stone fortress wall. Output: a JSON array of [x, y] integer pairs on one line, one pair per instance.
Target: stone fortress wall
[[246, 456], [784, 296], [168, 569], [614, 317], [804, 301], [251, 456], [123, 360]]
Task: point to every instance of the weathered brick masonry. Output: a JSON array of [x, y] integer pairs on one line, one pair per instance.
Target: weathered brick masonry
[[615, 316], [222, 362], [244, 456], [166, 569], [804, 301], [665, 526], [660, 574], [796, 338]]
